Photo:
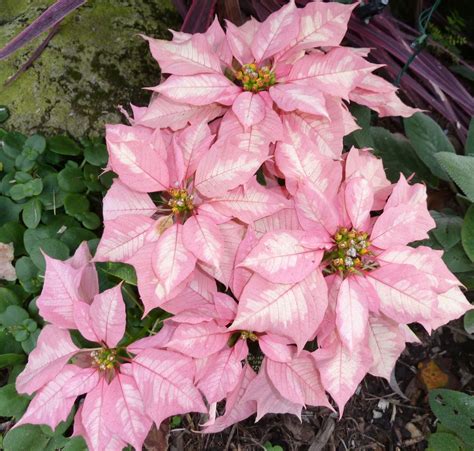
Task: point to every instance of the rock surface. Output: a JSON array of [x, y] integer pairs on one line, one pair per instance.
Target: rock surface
[[95, 62]]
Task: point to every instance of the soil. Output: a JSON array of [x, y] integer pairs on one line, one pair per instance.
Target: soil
[[376, 418]]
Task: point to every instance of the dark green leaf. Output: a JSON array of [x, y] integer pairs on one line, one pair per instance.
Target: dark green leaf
[[34, 187], [75, 204], [30, 343], [96, 154], [13, 315], [11, 403], [91, 178], [13, 144], [51, 197], [122, 271], [7, 360], [26, 437], [460, 168], [448, 228], [455, 411], [63, 145], [469, 322], [24, 163], [362, 137], [18, 192], [74, 236], [399, 156], [7, 298], [71, 180], [12, 232], [75, 444], [9, 210], [32, 213], [90, 220], [53, 248], [457, 260], [467, 233], [444, 441], [428, 139]]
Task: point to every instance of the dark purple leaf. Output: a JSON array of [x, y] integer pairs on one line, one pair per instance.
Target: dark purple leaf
[[53, 15], [181, 6], [199, 16]]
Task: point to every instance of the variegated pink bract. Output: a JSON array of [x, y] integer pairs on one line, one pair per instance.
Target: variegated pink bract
[[377, 284], [119, 383], [183, 229], [263, 78]]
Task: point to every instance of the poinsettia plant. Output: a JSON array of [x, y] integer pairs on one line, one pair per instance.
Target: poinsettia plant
[[283, 262]]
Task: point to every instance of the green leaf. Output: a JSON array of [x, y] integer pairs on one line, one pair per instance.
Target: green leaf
[[70, 179], [362, 137], [96, 154], [63, 145], [4, 113], [91, 178], [455, 411], [24, 163], [18, 192], [30, 343], [53, 248], [34, 187], [7, 360], [12, 232], [460, 168], [74, 236], [75, 204], [428, 139], [467, 232], [457, 260], [27, 273], [399, 156], [13, 315], [26, 437], [469, 322], [470, 139], [107, 178], [7, 298], [444, 441], [36, 143], [13, 144], [448, 229], [11, 403], [32, 213], [9, 210], [122, 271], [51, 197], [90, 220], [75, 444]]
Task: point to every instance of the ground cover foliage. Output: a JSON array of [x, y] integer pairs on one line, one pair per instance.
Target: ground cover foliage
[[264, 244]]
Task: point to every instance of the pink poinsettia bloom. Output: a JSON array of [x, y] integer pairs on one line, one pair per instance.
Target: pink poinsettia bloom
[[285, 382], [289, 71], [183, 229], [377, 284], [125, 388]]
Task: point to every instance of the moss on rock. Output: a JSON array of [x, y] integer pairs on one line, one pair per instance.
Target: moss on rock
[[95, 62]]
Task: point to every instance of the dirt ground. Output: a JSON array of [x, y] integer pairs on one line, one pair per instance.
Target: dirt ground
[[376, 418]]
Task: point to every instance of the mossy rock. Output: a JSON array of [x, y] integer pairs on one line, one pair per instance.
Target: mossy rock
[[96, 62]]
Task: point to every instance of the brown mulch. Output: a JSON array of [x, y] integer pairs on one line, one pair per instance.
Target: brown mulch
[[376, 418]]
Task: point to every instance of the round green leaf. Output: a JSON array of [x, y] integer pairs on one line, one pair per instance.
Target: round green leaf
[[27, 437], [75, 444], [63, 145], [71, 180], [91, 178], [53, 248], [36, 143], [13, 144], [444, 441], [13, 315], [32, 213], [75, 204], [25, 269], [18, 192], [467, 233], [33, 237], [21, 335], [469, 322], [90, 220], [12, 232], [51, 197], [4, 113], [7, 298], [457, 260], [30, 343], [96, 154], [24, 163], [34, 187], [23, 177], [11, 403], [9, 210]]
